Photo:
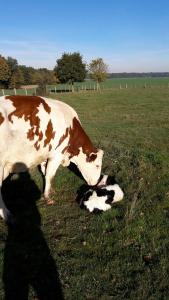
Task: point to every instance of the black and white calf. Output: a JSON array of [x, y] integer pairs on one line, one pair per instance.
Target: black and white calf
[[102, 196]]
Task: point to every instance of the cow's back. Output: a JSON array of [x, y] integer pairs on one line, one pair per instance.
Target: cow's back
[[31, 128]]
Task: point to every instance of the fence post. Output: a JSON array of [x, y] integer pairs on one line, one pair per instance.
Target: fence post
[[120, 87], [26, 93], [126, 85], [14, 91], [3, 93]]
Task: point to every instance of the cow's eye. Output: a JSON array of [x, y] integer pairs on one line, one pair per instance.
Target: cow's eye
[[97, 166]]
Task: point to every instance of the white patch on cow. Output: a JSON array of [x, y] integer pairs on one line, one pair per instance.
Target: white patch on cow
[[44, 117], [118, 193], [7, 105], [61, 107], [97, 202]]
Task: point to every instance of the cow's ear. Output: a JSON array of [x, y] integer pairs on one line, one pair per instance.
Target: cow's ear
[[91, 157]]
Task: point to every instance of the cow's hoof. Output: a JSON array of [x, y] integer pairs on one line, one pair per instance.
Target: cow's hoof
[[50, 201]]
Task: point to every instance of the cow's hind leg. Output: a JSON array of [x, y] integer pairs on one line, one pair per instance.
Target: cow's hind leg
[[4, 212], [51, 168]]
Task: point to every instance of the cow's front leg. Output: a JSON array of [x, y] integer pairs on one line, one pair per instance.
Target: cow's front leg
[[43, 166], [51, 168], [4, 212]]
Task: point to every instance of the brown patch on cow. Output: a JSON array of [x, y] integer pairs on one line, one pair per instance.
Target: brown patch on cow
[[63, 137], [28, 107], [92, 157], [65, 149], [37, 146], [1, 118], [40, 135], [30, 134], [50, 134], [79, 139]]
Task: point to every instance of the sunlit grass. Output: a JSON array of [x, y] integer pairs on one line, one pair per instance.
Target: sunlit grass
[[124, 252]]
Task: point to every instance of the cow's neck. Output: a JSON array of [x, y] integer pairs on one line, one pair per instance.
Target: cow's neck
[[79, 141]]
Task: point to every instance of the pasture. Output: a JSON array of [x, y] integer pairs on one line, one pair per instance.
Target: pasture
[[87, 85], [120, 254], [113, 83]]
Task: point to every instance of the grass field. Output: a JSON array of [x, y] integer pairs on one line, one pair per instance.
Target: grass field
[[116, 83], [120, 254]]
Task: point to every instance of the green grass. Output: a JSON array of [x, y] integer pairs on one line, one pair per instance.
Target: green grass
[[120, 254]]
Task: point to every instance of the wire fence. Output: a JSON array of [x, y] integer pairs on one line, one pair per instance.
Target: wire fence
[[31, 91], [88, 86]]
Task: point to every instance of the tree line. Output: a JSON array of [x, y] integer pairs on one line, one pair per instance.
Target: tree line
[[13, 75], [138, 75], [69, 68]]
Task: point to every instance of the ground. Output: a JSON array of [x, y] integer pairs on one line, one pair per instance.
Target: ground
[[120, 254]]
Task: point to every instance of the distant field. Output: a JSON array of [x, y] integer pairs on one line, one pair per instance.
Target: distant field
[[120, 254], [116, 83]]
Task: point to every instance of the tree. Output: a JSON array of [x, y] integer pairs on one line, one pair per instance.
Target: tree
[[98, 70], [42, 77], [5, 72], [13, 66], [27, 74], [70, 68]]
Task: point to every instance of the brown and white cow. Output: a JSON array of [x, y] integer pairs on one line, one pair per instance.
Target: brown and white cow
[[40, 131]]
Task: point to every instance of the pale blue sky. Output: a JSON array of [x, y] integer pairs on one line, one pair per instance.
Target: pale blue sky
[[130, 35]]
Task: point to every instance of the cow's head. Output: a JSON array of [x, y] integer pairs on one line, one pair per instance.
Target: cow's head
[[82, 153], [89, 165]]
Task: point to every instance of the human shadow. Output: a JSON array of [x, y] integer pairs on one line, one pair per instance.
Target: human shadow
[[28, 262]]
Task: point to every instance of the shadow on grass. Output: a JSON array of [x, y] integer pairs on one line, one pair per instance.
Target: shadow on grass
[[74, 169], [27, 258]]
